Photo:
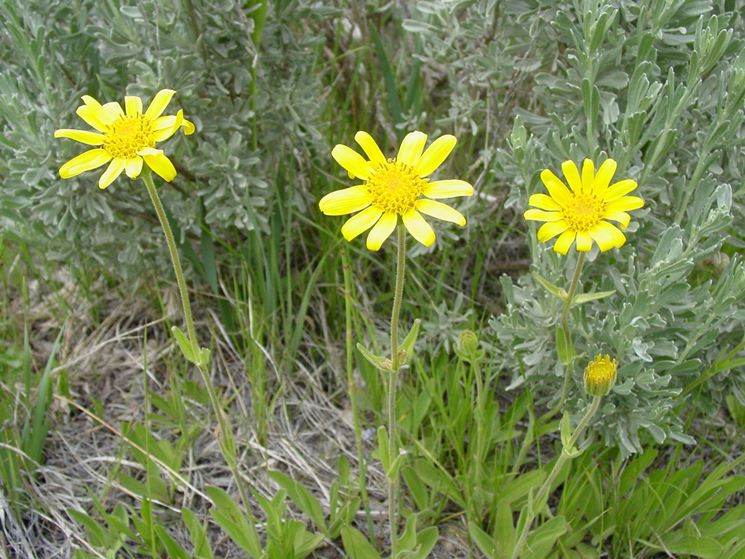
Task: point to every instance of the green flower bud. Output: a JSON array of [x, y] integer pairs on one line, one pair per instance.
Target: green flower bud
[[468, 346]]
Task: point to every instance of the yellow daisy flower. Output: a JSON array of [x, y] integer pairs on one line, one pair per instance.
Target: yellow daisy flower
[[393, 188], [125, 139], [579, 213]]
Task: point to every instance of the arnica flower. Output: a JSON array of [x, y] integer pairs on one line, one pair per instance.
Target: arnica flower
[[126, 139], [393, 188], [580, 213], [600, 375]]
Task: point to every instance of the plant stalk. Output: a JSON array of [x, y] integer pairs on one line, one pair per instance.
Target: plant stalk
[[225, 438], [393, 448], [542, 494], [565, 326]]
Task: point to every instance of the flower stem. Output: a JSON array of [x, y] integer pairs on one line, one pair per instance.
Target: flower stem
[[352, 389], [569, 366], [225, 437], [393, 449], [542, 494]]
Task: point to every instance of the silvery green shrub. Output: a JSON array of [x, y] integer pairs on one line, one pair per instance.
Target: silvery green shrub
[[250, 89], [660, 87]]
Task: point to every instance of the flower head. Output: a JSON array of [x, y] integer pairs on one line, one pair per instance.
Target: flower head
[[600, 375], [580, 213], [393, 188], [125, 139]]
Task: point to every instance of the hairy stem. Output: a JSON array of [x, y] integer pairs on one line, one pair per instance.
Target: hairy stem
[[565, 325], [393, 449], [542, 494], [225, 437]]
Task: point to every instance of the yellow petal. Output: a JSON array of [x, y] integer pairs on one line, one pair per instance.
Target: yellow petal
[[556, 189], [111, 112], [584, 241], [418, 227], [411, 148], [436, 153], [625, 204], [540, 215], [588, 174], [549, 230], [607, 236], [352, 161], [369, 146], [114, 169], [571, 174], [188, 127], [164, 122], [82, 136], [167, 126], [447, 189], [93, 116], [621, 188], [382, 230], [605, 174], [621, 217], [149, 151], [159, 104], [91, 159], [133, 105], [134, 167], [361, 222], [88, 100], [564, 242], [543, 202], [161, 166], [440, 211], [345, 201]]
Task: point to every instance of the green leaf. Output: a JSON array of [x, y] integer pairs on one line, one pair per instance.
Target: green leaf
[[566, 430], [230, 518], [383, 448], [484, 541], [586, 297], [199, 540], [407, 346], [564, 346], [356, 545], [303, 498], [376, 361], [425, 542], [408, 538], [504, 528], [550, 287], [689, 544], [185, 344], [173, 549], [542, 540]]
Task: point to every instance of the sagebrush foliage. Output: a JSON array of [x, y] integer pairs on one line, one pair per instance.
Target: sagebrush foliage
[[253, 114], [660, 87]]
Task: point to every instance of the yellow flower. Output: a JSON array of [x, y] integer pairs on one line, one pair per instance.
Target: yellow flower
[[126, 139], [393, 188], [600, 375], [579, 213]]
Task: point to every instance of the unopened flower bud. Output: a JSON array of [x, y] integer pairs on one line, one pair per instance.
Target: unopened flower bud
[[600, 375], [468, 346]]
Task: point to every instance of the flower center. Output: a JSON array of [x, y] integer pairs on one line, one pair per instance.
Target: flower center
[[128, 135], [395, 187], [583, 212]]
